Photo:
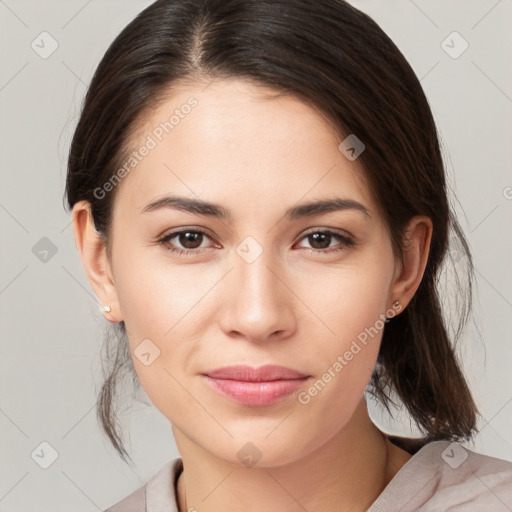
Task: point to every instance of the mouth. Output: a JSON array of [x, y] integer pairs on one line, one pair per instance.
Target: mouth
[[255, 387]]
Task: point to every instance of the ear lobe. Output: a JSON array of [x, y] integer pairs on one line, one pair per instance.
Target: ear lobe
[[416, 248], [92, 251]]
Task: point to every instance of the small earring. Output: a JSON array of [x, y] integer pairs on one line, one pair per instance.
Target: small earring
[[108, 309], [395, 305]]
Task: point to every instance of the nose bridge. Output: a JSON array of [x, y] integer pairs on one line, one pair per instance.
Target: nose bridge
[[256, 281], [260, 304]]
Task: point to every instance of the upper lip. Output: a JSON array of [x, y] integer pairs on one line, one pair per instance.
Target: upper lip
[[249, 374]]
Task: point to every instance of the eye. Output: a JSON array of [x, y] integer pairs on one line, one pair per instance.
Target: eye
[[190, 239], [321, 241]]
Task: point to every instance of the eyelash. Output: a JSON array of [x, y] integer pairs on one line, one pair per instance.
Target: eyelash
[[346, 241]]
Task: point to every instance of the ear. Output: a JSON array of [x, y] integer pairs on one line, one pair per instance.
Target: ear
[[409, 272], [93, 254]]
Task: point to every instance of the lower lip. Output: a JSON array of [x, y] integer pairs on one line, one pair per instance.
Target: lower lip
[[255, 393]]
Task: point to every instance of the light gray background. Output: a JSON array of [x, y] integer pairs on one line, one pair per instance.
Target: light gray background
[[51, 329]]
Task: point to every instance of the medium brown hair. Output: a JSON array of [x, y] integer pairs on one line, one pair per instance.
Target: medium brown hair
[[337, 59]]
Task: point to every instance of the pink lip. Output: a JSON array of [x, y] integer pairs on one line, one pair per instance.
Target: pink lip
[[257, 387]]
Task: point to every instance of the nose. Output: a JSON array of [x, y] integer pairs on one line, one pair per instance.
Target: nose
[[259, 304]]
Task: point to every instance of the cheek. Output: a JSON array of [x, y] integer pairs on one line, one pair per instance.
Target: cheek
[[348, 300], [352, 309], [157, 296], [165, 310]]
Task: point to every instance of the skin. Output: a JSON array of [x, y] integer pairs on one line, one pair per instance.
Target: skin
[[256, 156]]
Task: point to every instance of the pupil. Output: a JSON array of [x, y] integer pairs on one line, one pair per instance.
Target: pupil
[[188, 237], [320, 236]]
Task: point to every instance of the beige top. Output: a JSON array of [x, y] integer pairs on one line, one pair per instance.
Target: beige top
[[440, 477]]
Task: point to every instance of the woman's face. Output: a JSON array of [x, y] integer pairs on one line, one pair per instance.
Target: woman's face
[[262, 286]]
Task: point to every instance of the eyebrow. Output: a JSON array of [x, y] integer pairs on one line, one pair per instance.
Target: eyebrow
[[201, 207]]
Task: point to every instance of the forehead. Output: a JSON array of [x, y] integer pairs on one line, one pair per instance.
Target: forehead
[[231, 140]]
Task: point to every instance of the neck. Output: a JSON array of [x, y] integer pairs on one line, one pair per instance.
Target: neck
[[347, 473]]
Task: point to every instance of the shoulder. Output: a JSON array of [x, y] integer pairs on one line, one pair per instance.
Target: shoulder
[[445, 476], [157, 494], [135, 502]]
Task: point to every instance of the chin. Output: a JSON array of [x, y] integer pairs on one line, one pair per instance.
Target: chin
[[265, 453]]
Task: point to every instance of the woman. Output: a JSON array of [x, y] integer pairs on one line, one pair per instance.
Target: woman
[[259, 202]]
